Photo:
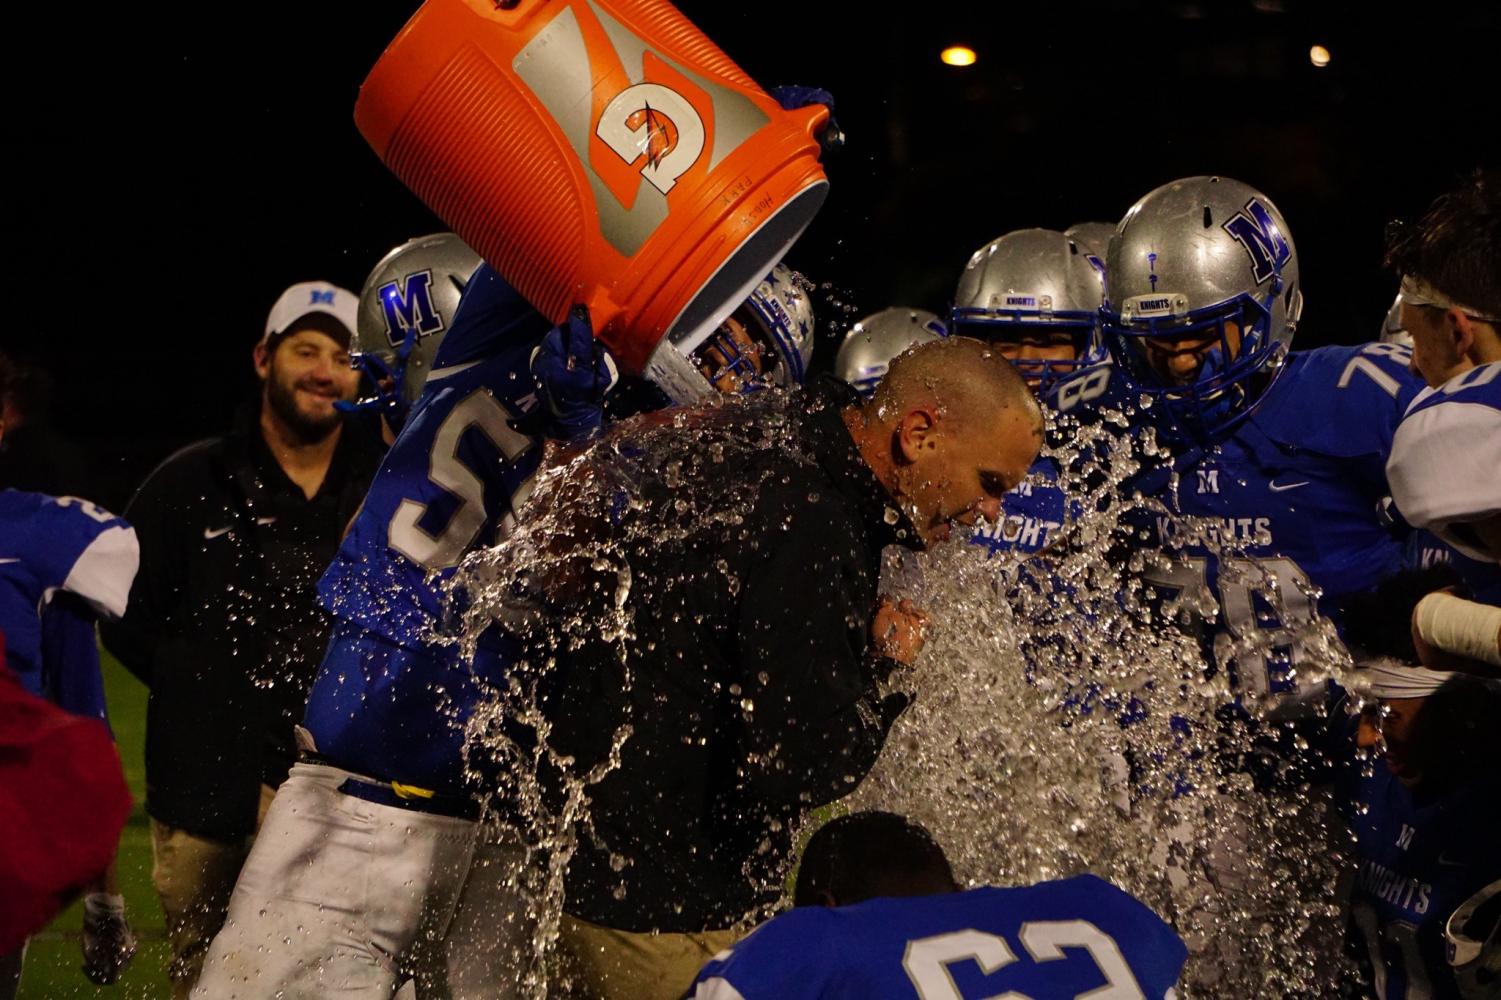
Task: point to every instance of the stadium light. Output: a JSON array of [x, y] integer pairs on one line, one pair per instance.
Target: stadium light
[[1319, 56], [958, 55]]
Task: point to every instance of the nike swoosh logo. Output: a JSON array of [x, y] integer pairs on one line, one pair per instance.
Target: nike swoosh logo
[[1450, 864], [1283, 488], [216, 532]]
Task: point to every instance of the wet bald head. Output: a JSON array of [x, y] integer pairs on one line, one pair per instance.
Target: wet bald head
[[951, 428], [967, 380]]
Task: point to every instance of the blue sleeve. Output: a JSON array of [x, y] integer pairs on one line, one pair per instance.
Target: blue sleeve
[[772, 962], [83, 548], [71, 676], [491, 317], [1344, 402]]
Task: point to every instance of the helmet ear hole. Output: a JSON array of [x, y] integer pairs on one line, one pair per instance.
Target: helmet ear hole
[[1293, 305], [1208, 217]]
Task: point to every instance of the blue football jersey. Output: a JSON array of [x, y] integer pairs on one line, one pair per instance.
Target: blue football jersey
[[1298, 487], [448, 485], [453, 474], [1418, 857], [61, 545], [1051, 941], [1482, 580], [1445, 465], [1031, 514]]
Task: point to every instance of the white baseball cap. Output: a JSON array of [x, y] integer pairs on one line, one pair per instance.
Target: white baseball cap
[[307, 298]]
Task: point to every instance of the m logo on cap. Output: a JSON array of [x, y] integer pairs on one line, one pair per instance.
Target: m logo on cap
[[1254, 229], [325, 298], [408, 304]]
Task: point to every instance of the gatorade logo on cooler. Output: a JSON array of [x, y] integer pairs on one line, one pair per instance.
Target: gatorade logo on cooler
[[650, 122], [635, 129]]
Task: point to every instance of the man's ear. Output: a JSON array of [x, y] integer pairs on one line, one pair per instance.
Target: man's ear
[[261, 358], [1461, 329], [916, 434]]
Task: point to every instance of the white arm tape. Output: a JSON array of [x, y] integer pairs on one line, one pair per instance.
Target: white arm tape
[[1458, 626]]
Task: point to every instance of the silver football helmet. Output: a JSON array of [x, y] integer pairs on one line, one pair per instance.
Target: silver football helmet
[[1392, 331], [407, 304], [1093, 238], [778, 316], [1472, 939], [1202, 297], [872, 343], [1029, 283]]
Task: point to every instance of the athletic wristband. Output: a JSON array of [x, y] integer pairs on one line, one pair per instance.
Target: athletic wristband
[[1458, 626]]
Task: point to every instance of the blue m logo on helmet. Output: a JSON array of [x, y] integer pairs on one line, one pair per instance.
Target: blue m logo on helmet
[[1254, 229], [408, 305]]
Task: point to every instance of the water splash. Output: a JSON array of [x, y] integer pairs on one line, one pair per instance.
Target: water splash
[[1063, 719], [569, 577]]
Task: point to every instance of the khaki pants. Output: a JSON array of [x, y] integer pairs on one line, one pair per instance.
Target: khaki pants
[[607, 964], [194, 876]]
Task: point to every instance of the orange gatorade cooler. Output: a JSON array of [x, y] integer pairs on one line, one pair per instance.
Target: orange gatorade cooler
[[598, 151]]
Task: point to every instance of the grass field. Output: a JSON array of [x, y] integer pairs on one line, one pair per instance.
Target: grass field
[[54, 959]]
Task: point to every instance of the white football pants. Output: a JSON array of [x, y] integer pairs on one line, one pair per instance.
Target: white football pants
[[348, 897]]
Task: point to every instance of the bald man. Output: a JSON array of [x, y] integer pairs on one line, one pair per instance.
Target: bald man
[[753, 660]]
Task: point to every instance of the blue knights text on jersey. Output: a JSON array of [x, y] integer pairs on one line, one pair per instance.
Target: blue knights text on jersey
[[1051, 941], [1031, 514], [1445, 465], [51, 545], [1419, 855], [1292, 499], [452, 477]]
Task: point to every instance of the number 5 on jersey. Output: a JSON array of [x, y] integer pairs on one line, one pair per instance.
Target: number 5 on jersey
[[442, 551]]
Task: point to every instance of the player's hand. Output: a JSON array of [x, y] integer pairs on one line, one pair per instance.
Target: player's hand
[[898, 631], [794, 96], [575, 372], [108, 942], [389, 382]]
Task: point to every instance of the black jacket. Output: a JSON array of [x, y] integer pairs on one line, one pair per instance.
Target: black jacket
[[754, 555], [223, 623]]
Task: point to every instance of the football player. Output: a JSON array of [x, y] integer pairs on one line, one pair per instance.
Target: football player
[[65, 562], [1094, 239], [1422, 817], [1279, 467], [878, 914], [1035, 294], [867, 350], [384, 730], [1445, 466]]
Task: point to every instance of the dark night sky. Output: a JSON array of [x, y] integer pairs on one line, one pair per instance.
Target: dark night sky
[[177, 172]]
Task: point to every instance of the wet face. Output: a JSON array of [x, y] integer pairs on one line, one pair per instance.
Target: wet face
[[958, 475], [1177, 361], [717, 359], [1390, 724], [1037, 345], [304, 374]]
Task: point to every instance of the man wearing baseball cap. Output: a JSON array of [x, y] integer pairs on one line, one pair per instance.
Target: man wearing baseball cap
[[223, 622]]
